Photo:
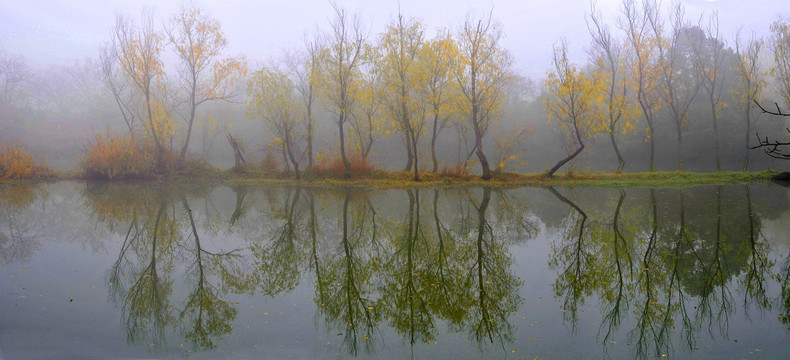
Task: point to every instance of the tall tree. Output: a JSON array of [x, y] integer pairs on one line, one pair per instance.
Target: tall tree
[[367, 120], [780, 44], [441, 91], [678, 82], [643, 66], [572, 104], [13, 74], [709, 55], [198, 41], [481, 70], [119, 86], [402, 75], [273, 100], [607, 55], [303, 67], [751, 81], [138, 54], [340, 64]]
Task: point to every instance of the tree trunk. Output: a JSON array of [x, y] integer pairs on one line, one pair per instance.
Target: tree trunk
[[347, 173], [571, 156], [434, 135], [237, 154], [620, 161], [291, 155], [409, 153], [416, 158], [715, 134], [748, 129], [652, 145], [479, 145], [678, 126]]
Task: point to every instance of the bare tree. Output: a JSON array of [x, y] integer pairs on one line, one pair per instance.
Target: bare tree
[[678, 81], [774, 149], [303, 68], [750, 80], [643, 66], [607, 54], [118, 85], [708, 58], [340, 64], [13, 73]]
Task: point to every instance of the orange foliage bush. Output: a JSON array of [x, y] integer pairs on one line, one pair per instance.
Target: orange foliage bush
[[16, 163], [458, 170], [334, 167], [119, 157], [269, 162]]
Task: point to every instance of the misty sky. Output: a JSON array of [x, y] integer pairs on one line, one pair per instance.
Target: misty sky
[[50, 32]]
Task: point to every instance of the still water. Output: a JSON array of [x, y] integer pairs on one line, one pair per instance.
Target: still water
[[119, 271]]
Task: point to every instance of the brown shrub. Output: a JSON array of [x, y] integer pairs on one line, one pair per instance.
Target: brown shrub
[[334, 167], [16, 164], [458, 170], [120, 157]]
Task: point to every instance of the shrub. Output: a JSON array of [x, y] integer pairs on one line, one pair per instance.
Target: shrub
[[334, 167], [456, 171], [16, 164], [120, 157]]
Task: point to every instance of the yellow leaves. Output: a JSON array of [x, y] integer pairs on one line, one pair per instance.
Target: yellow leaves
[[16, 163]]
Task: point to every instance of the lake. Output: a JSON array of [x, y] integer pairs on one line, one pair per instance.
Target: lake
[[145, 270]]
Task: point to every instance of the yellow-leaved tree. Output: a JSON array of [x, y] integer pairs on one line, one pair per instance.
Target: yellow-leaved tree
[[398, 65], [367, 119], [273, 100], [137, 51], [572, 104], [202, 75], [440, 91], [482, 70]]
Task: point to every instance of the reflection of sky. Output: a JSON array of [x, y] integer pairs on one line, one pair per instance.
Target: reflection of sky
[[50, 31]]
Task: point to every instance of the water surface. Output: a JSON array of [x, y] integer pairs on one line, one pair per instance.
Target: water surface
[[95, 271]]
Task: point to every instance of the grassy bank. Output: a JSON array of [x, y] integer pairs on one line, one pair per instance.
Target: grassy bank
[[202, 172], [398, 179]]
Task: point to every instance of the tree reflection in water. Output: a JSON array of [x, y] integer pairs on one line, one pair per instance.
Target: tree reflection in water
[[668, 263], [674, 274]]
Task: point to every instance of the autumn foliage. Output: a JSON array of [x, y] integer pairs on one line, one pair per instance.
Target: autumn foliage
[[334, 167], [17, 164], [119, 157]]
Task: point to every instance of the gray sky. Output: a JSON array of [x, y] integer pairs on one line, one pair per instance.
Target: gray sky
[[60, 32]]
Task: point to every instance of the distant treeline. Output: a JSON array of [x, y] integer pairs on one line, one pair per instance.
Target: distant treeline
[[657, 92]]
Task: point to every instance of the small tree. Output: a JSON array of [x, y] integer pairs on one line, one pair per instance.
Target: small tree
[[273, 100], [572, 105]]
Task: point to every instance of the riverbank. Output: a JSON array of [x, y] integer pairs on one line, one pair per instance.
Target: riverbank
[[400, 179]]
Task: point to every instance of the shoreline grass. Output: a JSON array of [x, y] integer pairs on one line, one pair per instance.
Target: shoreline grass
[[400, 179]]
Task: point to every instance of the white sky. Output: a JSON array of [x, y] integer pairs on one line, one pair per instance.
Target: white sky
[[60, 32]]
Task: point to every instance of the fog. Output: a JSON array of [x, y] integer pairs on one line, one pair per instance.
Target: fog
[[54, 100]]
